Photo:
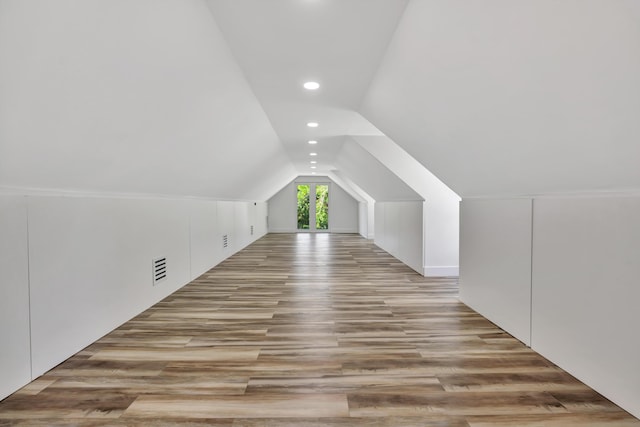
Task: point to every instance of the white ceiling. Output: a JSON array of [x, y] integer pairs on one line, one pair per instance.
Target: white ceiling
[[371, 175], [204, 97], [506, 98], [282, 44], [125, 96]]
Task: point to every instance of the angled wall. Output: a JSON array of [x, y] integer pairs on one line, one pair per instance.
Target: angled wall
[[497, 98], [561, 277], [124, 133], [366, 204], [78, 267], [140, 97], [510, 109], [15, 351], [399, 214], [586, 293], [441, 207], [399, 231], [371, 175], [495, 262]]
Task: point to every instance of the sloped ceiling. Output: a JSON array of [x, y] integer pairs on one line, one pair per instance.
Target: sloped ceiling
[[359, 166], [280, 44], [129, 96], [515, 97], [203, 97], [350, 187], [408, 169]]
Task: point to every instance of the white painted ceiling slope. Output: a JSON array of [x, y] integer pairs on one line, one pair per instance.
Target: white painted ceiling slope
[[124, 96], [280, 44], [507, 98], [372, 176], [204, 98]]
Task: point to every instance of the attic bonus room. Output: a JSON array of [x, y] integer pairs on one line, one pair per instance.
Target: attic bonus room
[[319, 212]]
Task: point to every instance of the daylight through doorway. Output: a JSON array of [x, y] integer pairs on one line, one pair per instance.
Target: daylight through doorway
[[312, 216]]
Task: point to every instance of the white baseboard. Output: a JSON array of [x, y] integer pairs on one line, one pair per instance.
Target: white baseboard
[[441, 271], [282, 230], [333, 230], [344, 230]]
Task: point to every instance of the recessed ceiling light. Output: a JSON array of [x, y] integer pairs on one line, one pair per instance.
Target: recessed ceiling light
[[312, 124], [313, 154], [313, 167], [313, 173], [311, 85], [313, 162], [313, 142]]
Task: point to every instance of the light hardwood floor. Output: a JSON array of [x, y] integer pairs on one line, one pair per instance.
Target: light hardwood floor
[[310, 330]]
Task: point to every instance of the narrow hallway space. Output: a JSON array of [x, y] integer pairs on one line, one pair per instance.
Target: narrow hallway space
[[310, 330]]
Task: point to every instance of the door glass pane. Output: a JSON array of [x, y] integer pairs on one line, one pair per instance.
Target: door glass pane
[[303, 207], [322, 207]]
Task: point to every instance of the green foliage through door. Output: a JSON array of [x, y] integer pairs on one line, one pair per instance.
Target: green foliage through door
[[303, 207]]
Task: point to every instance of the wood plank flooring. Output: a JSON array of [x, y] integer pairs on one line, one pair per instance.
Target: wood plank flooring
[[310, 330]]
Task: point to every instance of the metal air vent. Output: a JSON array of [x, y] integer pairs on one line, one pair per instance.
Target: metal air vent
[[159, 270], [225, 241]]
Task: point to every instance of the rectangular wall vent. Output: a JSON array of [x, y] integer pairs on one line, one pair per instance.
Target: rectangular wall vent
[[225, 240], [252, 230], [159, 270]]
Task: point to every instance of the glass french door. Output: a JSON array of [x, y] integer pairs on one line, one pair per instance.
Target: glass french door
[[313, 207]]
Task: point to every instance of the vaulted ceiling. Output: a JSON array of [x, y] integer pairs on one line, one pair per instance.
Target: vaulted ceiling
[[204, 97], [339, 44]]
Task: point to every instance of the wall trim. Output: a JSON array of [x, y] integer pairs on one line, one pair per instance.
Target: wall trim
[[561, 195], [441, 270], [343, 230], [89, 194]]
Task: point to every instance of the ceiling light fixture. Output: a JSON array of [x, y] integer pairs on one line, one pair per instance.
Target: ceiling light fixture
[[313, 154], [313, 173], [312, 85], [313, 142], [313, 162], [312, 124], [313, 167]]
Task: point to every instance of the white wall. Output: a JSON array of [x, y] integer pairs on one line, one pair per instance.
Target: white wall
[[343, 209], [15, 351], [399, 231], [210, 220], [363, 219], [562, 278], [241, 226], [282, 210], [205, 236], [366, 203], [586, 268], [260, 219], [495, 262], [441, 237], [89, 267], [441, 210]]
